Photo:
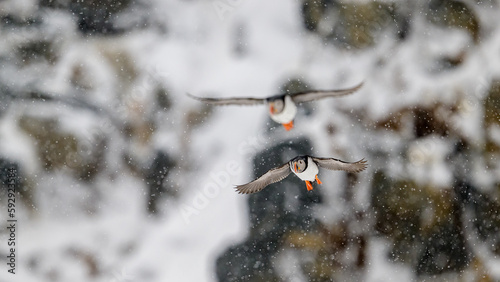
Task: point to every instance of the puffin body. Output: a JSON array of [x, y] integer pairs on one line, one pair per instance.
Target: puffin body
[[286, 115], [282, 108], [310, 171], [305, 167]]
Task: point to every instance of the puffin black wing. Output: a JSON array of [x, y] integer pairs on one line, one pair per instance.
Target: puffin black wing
[[229, 101], [320, 94], [274, 175], [335, 164]]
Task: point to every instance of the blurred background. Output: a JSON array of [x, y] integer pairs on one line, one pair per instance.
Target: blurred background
[[122, 177]]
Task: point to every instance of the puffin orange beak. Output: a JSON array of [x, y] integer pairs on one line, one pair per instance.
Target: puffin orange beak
[[295, 167], [271, 109]]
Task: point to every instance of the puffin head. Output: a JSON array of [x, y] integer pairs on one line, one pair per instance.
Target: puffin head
[[299, 164], [276, 106]]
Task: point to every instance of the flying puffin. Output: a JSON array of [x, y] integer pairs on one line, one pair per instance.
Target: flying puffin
[[305, 167], [282, 107]]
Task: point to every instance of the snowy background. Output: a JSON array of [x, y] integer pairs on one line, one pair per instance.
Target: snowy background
[[122, 177]]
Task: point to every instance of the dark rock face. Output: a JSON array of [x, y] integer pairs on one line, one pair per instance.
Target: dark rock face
[[94, 17], [492, 104], [451, 13], [433, 242], [283, 224], [288, 203], [279, 209], [156, 177], [350, 25], [59, 149], [444, 246], [312, 12], [360, 25], [485, 213], [436, 230], [36, 51]]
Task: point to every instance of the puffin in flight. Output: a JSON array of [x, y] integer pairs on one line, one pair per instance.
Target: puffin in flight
[[305, 167], [282, 107]]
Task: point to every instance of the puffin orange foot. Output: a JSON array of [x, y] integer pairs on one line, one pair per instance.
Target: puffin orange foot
[[288, 126], [309, 186], [317, 180]]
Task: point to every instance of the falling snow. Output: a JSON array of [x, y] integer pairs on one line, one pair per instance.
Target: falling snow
[[123, 177]]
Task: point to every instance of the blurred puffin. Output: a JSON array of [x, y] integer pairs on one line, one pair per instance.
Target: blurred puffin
[[305, 167], [282, 107]]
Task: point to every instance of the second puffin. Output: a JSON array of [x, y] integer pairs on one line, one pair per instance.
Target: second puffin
[[282, 107], [305, 167]]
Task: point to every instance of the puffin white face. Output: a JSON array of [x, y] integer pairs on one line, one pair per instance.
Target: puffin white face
[[276, 106], [299, 165]]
